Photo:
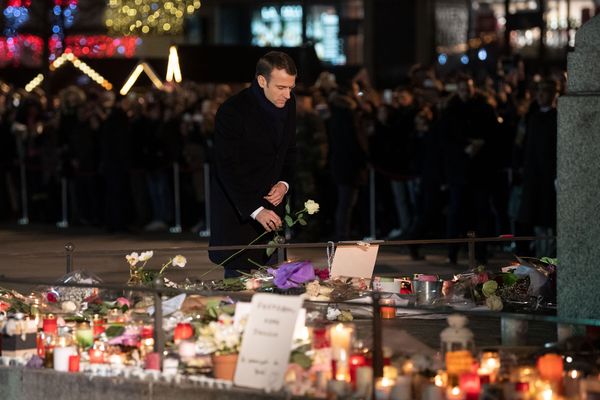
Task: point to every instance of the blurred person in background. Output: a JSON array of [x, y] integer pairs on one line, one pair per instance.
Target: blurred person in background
[[467, 124], [349, 153], [538, 200]]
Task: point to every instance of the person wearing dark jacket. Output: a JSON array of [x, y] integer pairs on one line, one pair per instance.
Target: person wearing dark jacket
[[254, 149], [538, 201], [467, 125], [348, 154]]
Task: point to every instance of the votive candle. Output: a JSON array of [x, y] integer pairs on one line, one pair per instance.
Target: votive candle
[[61, 357], [551, 367]]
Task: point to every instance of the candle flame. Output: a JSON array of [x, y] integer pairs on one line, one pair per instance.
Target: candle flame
[[574, 374]]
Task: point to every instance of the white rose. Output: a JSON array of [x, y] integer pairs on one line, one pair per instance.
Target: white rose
[[179, 261], [146, 255], [132, 258], [311, 207]]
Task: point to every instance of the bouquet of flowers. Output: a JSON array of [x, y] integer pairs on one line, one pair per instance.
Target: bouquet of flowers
[[222, 336], [482, 287]]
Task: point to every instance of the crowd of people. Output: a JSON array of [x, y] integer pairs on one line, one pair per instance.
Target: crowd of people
[[447, 156]]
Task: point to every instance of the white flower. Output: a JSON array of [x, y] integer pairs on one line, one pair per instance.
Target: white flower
[[311, 207], [333, 313], [179, 261], [146, 255], [252, 284], [132, 258], [313, 288], [494, 303], [68, 306]]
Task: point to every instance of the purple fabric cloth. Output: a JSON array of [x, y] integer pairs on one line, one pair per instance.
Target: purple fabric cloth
[[292, 275]]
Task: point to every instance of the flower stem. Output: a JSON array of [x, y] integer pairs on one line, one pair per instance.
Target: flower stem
[[222, 264], [165, 266]]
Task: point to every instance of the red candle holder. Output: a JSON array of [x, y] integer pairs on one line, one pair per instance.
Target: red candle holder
[[50, 325], [356, 361], [96, 356], [183, 331], [74, 363], [152, 361], [470, 385]]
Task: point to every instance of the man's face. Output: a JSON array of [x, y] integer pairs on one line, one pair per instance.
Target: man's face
[[279, 87]]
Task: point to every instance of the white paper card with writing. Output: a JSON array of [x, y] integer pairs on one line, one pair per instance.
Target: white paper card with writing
[[267, 341], [242, 311], [354, 260]]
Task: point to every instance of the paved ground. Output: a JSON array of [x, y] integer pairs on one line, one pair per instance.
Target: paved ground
[[38, 252]]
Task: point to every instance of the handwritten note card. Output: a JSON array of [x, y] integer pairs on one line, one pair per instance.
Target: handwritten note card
[[267, 341], [355, 260]]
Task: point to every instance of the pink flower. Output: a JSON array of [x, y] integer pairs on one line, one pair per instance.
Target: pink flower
[[480, 277], [122, 301]]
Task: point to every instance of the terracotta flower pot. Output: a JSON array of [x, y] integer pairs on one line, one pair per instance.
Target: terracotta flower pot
[[224, 366]]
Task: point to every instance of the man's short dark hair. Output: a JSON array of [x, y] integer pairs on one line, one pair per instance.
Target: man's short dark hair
[[275, 60]]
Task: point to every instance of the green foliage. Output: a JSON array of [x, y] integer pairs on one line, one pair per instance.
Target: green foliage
[[548, 260], [114, 331], [271, 250], [289, 221], [299, 357]]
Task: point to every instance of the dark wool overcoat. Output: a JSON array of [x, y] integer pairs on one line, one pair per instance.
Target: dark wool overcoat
[[252, 152]]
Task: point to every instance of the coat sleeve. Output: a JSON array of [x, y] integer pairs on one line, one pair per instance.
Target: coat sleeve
[[232, 175]]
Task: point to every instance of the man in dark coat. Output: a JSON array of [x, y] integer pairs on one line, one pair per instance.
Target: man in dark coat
[[254, 148]]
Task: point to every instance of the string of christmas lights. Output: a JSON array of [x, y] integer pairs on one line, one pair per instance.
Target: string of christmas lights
[[16, 14], [142, 17], [63, 16]]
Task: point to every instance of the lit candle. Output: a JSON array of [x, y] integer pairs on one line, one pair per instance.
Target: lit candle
[[545, 393], [98, 325], [550, 367], [342, 367], [383, 387], [341, 338], [470, 385], [572, 381], [490, 365], [49, 324], [84, 335], [356, 361], [454, 393], [61, 357], [388, 309]]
